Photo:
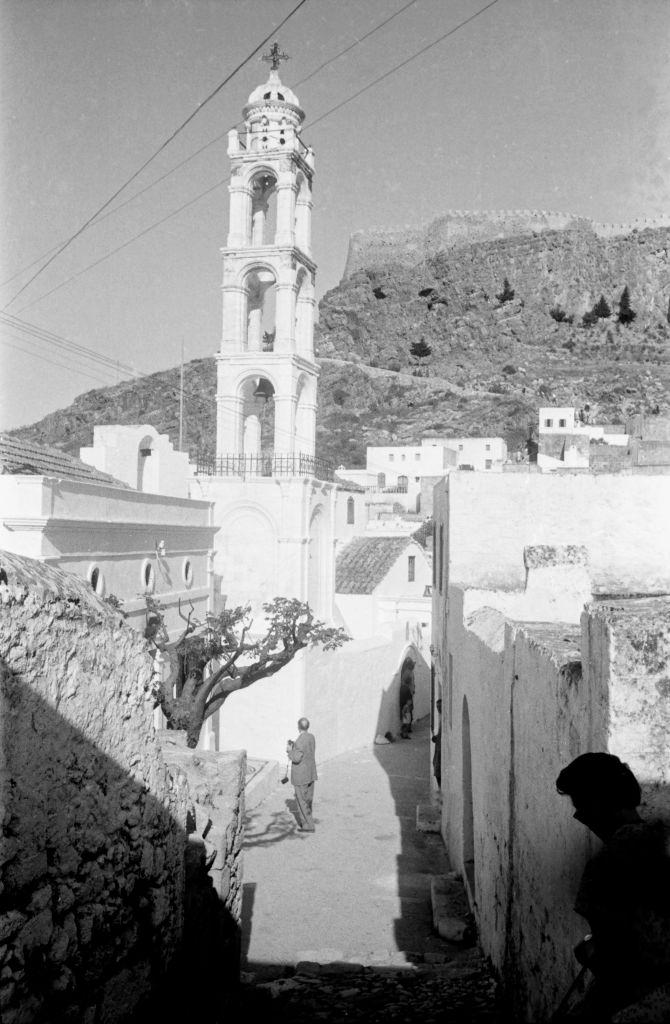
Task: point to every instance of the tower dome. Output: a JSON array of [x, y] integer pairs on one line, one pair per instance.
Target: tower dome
[[275, 102]]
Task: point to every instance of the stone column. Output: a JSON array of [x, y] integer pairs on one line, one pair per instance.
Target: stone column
[[240, 202], [228, 424], [285, 207], [284, 314], [234, 330], [284, 424]]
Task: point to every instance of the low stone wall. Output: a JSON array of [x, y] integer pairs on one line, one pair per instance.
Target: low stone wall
[[94, 871]]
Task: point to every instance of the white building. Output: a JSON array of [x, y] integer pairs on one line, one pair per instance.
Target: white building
[[566, 435], [402, 472], [382, 585], [125, 542]]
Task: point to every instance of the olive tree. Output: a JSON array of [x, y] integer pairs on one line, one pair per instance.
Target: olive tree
[[221, 655]]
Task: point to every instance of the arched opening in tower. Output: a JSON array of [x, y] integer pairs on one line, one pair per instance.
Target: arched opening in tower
[[260, 289], [258, 423], [263, 209]]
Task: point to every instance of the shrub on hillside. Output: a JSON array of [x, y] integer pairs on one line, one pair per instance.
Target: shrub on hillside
[[559, 315], [507, 293]]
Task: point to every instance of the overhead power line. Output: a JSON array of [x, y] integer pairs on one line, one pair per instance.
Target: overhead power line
[[80, 351], [402, 64], [311, 124], [160, 149], [217, 138]]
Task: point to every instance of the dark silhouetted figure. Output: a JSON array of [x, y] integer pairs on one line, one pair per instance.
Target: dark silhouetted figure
[[624, 895]]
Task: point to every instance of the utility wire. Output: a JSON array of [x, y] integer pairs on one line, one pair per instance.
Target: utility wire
[[159, 150], [80, 351], [403, 64], [223, 181], [70, 369], [217, 138]]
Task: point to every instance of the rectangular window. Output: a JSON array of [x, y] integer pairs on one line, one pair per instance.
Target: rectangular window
[[488, 447], [417, 456], [561, 423], [411, 568], [391, 457], [548, 423], [402, 458], [488, 463]]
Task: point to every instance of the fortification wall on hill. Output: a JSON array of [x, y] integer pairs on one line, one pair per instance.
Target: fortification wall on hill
[[461, 227]]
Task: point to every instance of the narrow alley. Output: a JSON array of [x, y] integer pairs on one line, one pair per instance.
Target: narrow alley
[[337, 925]]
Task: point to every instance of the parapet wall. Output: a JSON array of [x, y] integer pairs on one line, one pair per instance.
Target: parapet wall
[[97, 869], [461, 227]]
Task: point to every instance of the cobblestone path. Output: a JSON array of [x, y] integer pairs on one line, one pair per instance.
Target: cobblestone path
[[337, 925]]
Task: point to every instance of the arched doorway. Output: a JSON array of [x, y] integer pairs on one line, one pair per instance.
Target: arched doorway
[[468, 812]]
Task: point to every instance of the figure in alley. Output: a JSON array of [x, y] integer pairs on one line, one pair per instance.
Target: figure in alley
[[301, 754], [624, 895]]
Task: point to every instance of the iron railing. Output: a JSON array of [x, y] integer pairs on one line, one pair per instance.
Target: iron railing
[[277, 465]]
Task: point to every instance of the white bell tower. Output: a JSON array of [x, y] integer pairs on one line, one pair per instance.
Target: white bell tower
[[266, 373]]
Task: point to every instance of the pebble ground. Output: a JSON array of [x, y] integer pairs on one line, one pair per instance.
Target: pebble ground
[[337, 925]]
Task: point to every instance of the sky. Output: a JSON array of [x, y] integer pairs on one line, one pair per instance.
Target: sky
[[533, 104]]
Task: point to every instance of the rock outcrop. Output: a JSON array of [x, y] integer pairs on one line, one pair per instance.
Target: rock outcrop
[[420, 337]]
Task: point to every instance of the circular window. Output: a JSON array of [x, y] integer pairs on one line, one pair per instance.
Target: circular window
[[96, 579], [187, 572], [148, 578]]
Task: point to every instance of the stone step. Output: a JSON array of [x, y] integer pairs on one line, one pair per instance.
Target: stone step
[[446, 896], [428, 817]]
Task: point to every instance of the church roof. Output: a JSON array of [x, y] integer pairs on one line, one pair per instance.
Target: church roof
[[24, 458], [365, 561]]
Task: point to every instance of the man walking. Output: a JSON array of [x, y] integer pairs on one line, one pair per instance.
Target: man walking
[[303, 773]]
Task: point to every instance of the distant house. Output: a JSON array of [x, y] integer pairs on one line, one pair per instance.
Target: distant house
[[123, 541], [382, 585]]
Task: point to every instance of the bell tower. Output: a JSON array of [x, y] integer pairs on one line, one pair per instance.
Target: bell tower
[[266, 372]]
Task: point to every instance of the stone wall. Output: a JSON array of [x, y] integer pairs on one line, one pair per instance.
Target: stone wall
[[93, 869], [378, 247]]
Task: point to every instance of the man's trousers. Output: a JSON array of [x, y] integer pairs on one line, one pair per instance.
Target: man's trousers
[[305, 796]]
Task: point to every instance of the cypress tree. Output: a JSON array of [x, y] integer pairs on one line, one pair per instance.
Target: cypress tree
[[626, 314]]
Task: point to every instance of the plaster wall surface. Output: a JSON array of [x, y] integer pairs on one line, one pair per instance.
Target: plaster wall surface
[[621, 520], [140, 457], [275, 537], [538, 695], [349, 696], [124, 534]]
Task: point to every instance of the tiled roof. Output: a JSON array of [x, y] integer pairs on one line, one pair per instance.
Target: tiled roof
[[423, 533], [364, 562], [23, 457]]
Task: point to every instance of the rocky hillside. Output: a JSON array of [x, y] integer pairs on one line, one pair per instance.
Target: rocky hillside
[[422, 337]]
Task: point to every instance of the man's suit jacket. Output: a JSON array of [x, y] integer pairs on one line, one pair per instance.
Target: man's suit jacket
[[303, 767]]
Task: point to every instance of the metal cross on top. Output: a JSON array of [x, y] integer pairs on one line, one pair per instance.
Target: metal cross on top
[[275, 56]]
